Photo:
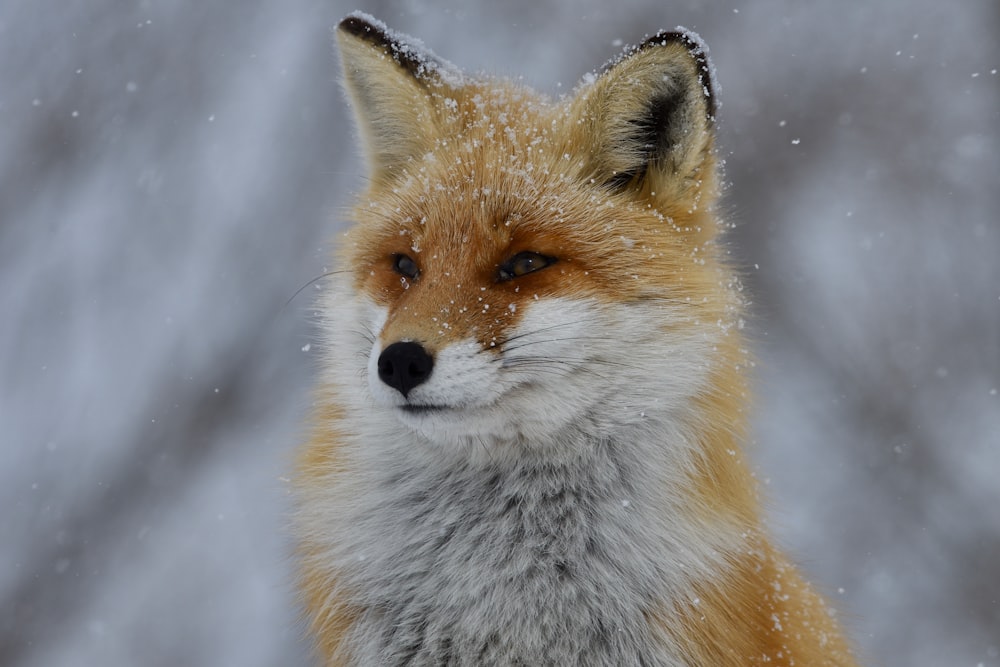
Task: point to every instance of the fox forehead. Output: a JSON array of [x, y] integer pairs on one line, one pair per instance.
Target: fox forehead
[[492, 164], [505, 178]]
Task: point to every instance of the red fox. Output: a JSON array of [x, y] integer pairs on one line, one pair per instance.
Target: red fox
[[526, 447]]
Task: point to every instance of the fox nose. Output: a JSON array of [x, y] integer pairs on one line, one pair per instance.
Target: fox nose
[[403, 366]]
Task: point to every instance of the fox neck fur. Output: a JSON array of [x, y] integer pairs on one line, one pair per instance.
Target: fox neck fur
[[478, 563]]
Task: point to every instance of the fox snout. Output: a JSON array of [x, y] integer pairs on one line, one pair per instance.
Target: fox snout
[[405, 365]]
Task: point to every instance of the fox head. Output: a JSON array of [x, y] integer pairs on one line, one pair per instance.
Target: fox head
[[520, 266]]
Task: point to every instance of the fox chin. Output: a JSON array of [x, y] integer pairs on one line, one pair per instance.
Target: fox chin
[[526, 447]]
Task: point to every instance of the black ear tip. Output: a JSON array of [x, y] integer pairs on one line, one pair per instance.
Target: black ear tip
[[699, 52], [364, 27], [354, 25], [408, 52]]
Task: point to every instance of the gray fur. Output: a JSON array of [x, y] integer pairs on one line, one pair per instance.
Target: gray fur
[[534, 564]]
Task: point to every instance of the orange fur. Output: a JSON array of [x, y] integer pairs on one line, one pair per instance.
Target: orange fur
[[761, 613], [318, 461]]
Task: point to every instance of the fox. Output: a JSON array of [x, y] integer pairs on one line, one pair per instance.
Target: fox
[[527, 440]]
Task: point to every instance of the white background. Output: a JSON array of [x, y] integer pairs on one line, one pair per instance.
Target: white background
[[171, 173]]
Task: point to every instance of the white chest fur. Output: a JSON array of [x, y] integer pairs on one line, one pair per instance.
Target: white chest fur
[[535, 563]]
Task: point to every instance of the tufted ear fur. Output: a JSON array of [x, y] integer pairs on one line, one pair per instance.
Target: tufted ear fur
[[390, 79], [650, 118]]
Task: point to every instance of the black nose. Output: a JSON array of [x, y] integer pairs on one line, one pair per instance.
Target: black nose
[[403, 366]]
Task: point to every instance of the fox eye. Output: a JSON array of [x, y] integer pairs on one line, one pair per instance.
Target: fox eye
[[523, 263], [405, 266]]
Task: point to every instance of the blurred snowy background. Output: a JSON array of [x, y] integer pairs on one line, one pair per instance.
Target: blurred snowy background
[[172, 172]]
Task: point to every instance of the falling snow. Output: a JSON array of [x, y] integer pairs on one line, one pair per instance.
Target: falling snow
[[172, 173]]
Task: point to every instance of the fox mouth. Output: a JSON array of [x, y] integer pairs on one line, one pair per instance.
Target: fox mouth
[[415, 409]]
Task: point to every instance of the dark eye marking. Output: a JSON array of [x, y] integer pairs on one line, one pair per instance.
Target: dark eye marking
[[522, 264], [405, 266]]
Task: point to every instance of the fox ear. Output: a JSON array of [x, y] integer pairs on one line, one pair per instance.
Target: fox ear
[[651, 117], [389, 79]]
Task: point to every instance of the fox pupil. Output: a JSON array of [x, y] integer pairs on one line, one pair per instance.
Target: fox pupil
[[523, 263], [405, 266]]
